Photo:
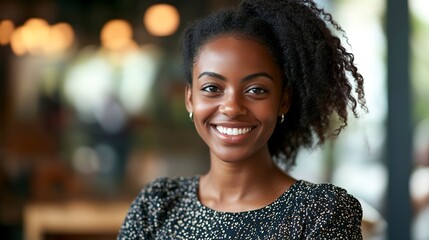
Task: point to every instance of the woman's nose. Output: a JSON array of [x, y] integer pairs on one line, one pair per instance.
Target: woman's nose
[[233, 106]]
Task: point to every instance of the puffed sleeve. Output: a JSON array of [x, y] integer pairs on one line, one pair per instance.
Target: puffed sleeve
[[333, 214], [149, 210], [136, 224]]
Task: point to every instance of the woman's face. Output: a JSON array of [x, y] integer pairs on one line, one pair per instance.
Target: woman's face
[[236, 97]]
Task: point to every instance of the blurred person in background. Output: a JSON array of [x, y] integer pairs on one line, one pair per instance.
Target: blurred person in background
[[264, 80]]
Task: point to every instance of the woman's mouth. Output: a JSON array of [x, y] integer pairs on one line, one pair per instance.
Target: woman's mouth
[[233, 131]]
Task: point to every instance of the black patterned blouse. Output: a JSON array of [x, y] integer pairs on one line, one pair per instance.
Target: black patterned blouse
[[170, 209]]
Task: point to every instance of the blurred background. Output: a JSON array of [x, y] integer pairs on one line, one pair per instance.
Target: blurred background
[[92, 109]]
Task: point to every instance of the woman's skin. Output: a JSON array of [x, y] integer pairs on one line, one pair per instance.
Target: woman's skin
[[236, 99]]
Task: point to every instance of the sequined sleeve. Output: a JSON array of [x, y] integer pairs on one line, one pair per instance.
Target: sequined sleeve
[[135, 220], [333, 214], [146, 211]]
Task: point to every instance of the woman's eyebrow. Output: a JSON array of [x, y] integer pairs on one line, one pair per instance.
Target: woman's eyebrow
[[256, 75], [212, 74], [247, 78]]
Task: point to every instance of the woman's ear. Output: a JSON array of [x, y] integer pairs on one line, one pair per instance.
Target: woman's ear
[[286, 100], [188, 98]]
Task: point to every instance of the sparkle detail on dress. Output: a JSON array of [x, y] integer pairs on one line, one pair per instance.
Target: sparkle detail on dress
[[169, 209]]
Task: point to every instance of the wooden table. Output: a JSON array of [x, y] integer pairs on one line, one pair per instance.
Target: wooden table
[[77, 217]]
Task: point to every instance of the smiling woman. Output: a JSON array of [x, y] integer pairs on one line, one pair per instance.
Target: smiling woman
[[264, 80], [236, 89]]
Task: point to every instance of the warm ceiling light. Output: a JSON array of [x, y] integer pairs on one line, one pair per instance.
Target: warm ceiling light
[[17, 42], [116, 34], [36, 35], [6, 30], [61, 37], [161, 20]]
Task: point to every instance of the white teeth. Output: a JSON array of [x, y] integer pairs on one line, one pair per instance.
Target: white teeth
[[233, 131]]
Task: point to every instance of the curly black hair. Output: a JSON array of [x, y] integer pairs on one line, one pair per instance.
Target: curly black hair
[[302, 39]]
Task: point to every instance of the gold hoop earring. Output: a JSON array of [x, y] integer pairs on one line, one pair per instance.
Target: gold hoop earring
[[191, 116]]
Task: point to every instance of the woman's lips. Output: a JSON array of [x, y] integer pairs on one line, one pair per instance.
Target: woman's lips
[[232, 134]]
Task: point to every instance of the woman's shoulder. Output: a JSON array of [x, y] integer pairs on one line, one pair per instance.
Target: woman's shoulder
[[162, 184], [164, 193], [168, 187], [325, 196], [327, 202], [329, 211], [321, 188], [154, 203]]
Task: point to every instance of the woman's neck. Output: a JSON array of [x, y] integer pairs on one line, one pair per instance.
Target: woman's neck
[[243, 185]]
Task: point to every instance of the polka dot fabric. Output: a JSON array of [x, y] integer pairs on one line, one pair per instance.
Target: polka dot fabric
[[169, 209]]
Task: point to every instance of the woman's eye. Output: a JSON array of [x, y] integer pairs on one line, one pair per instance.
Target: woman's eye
[[257, 90], [210, 89]]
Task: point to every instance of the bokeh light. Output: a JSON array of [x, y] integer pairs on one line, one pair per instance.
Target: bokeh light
[[88, 84], [17, 42], [61, 38], [85, 160], [37, 37], [6, 29], [116, 35], [161, 20]]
